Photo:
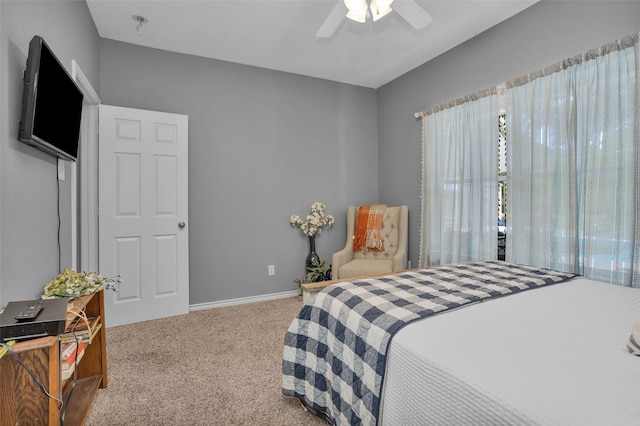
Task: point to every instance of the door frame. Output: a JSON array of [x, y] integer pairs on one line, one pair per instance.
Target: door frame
[[87, 179]]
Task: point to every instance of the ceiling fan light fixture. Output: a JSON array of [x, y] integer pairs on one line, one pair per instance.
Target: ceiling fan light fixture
[[357, 10], [360, 10], [380, 8]]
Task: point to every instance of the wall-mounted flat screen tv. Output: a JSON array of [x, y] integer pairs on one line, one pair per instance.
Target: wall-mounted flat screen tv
[[51, 104]]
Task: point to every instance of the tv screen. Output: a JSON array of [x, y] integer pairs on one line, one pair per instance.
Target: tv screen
[[51, 104]]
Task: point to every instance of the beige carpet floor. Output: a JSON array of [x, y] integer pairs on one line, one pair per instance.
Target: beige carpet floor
[[220, 366]]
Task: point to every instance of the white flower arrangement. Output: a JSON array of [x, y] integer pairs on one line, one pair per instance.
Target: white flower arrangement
[[313, 224]]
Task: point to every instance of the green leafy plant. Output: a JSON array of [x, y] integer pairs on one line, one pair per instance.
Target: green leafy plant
[[318, 271], [74, 284]]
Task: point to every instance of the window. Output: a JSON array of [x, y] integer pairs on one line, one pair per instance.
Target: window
[[502, 185]]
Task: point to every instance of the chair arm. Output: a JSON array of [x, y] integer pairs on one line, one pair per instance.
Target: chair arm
[[340, 258], [399, 261], [346, 254]]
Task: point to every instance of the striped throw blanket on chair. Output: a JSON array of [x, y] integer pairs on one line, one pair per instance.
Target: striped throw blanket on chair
[[368, 233]]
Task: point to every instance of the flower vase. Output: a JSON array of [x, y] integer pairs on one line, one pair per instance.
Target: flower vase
[[312, 256]]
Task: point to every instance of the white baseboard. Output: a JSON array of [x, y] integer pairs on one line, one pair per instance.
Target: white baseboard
[[242, 300]]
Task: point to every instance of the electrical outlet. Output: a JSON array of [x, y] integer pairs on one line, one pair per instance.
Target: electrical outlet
[[60, 169], [271, 269]]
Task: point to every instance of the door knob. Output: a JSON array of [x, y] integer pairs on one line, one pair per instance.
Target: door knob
[[181, 225]]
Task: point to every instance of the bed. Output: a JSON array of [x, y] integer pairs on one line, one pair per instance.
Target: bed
[[548, 351]]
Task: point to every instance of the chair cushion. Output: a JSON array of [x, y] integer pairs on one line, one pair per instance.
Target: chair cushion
[[390, 225], [360, 267]]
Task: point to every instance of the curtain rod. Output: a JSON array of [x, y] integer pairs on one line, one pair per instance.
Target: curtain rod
[[590, 54], [461, 100]]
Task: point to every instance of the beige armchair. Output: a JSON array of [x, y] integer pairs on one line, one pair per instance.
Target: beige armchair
[[347, 264]]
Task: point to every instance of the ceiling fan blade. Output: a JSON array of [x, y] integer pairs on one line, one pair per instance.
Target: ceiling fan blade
[[334, 20], [412, 13]]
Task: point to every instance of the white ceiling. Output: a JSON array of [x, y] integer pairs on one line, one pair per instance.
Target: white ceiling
[[281, 35]]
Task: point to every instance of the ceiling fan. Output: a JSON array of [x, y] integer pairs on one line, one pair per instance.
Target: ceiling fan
[[359, 10]]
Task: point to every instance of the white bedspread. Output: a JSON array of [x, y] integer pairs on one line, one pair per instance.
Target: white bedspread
[[550, 356]]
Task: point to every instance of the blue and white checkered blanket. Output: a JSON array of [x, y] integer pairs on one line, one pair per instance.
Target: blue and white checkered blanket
[[335, 351]]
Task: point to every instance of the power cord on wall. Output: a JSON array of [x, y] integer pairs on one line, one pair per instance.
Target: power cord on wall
[[58, 210]]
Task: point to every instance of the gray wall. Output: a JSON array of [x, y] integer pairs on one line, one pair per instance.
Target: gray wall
[[541, 35], [28, 213], [263, 145]]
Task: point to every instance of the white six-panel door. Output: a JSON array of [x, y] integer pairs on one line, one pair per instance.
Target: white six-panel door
[[143, 212]]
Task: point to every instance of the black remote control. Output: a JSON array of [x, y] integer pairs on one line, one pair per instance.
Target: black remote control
[[30, 310]]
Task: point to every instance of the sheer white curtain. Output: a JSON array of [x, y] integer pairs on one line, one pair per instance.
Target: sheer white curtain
[[460, 174], [572, 166]]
